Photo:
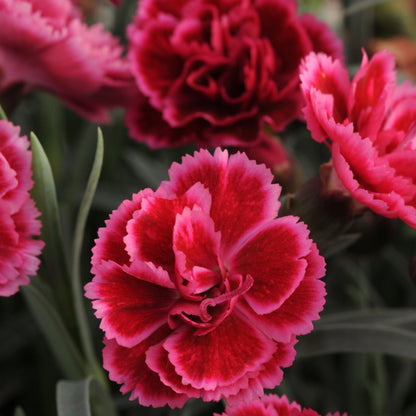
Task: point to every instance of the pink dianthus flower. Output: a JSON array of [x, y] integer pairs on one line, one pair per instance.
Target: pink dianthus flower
[[371, 126], [213, 71], [271, 405], [18, 214], [45, 45], [200, 289]]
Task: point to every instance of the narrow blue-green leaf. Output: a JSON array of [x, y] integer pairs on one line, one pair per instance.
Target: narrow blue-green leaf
[[348, 338], [379, 316], [44, 193], [72, 398], [77, 292], [37, 296], [78, 398], [2, 114]]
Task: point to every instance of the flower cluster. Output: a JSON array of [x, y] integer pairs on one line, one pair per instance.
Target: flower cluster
[[204, 285], [200, 289], [371, 126], [18, 214], [45, 45], [212, 72]]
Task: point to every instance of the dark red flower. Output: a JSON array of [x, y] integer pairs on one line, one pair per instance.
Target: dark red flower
[[200, 289], [213, 71], [18, 214]]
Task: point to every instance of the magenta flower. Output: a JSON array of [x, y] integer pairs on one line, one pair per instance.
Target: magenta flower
[[18, 214], [271, 405], [213, 72], [44, 45], [370, 123], [200, 289]]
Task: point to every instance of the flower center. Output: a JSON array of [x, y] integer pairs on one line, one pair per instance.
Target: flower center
[[209, 297]]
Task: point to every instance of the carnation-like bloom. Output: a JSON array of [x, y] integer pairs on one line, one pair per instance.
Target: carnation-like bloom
[[44, 45], [271, 405], [18, 214], [370, 123], [200, 289], [213, 72]]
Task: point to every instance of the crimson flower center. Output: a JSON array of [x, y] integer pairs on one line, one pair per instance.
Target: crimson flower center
[[209, 295]]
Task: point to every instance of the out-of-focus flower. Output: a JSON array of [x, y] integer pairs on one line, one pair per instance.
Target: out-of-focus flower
[[212, 72], [18, 214], [271, 405], [44, 45], [200, 289], [370, 123]]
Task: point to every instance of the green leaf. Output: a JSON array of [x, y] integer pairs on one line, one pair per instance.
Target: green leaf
[[77, 292], [77, 398], [380, 316], [44, 194], [358, 337], [37, 296], [2, 114]]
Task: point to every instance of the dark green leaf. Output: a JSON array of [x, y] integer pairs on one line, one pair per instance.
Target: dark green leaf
[[358, 337], [44, 194]]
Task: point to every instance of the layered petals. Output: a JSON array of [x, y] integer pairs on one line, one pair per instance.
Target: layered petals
[[19, 225], [207, 290], [45, 45], [369, 124], [221, 68]]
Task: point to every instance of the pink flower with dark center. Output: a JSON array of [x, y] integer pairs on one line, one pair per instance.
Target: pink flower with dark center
[[271, 405], [371, 125], [18, 214], [200, 289], [44, 45], [213, 71]]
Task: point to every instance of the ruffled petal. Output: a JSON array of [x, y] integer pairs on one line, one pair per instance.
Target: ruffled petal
[[247, 190], [196, 246], [232, 349], [237, 186], [275, 258], [403, 108], [325, 85], [158, 361], [295, 315], [146, 124], [149, 232], [132, 302], [370, 94], [110, 244], [368, 177], [127, 366]]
